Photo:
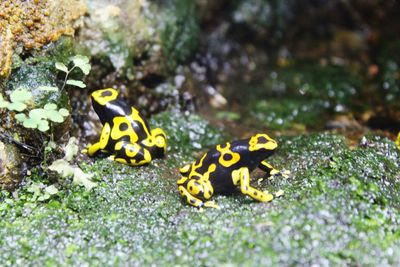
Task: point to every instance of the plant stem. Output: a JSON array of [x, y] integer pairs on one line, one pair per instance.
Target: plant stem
[[66, 78]]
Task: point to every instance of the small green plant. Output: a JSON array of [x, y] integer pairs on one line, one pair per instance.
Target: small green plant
[[38, 118], [78, 61], [65, 169]]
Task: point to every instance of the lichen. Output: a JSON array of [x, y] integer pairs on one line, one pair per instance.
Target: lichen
[[33, 24]]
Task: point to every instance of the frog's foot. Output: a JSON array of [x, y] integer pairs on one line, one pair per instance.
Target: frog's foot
[[265, 166], [198, 203], [211, 204], [92, 150], [242, 177]]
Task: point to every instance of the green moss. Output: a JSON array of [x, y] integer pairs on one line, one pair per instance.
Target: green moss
[[340, 207], [304, 93], [179, 31], [336, 85], [186, 133], [284, 113]]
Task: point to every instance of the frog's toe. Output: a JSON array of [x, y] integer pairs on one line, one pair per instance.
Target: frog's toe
[[211, 204], [266, 197], [274, 172]]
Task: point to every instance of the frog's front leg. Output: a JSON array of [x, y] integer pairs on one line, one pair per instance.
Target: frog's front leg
[[192, 190], [266, 167], [242, 177], [93, 150], [131, 154]]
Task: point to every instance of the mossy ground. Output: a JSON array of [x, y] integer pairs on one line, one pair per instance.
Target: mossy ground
[[340, 207]]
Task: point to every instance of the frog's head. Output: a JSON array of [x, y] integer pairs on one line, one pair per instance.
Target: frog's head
[[103, 96], [198, 188], [104, 103], [262, 142]]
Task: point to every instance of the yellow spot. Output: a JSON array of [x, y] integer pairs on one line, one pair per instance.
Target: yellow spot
[[398, 141], [105, 136], [104, 96], [182, 180], [227, 157], [185, 168], [131, 150], [123, 127], [268, 144]]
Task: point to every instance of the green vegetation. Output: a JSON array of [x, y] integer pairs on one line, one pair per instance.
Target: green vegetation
[[39, 118], [340, 206]]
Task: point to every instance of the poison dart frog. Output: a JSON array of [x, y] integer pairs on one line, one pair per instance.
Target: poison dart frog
[[225, 167], [126, 136]]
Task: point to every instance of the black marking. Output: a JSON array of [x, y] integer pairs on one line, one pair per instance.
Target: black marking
[[123, 127], [262, 140], [106, 93], [255, 193], [190, 188], [227, 157], [192, 201]]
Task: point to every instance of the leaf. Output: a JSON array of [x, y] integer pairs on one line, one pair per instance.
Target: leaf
[[21, 117], [62, 167], [4, 103], [80, 60], [37, 114], [85, 68], [48, 88], [43, 126], [17, 106], [76, 83], [54, 116], [71, 149], [82, 178], [20, 95], [50, 106], [64, 112], [51, 190], [61, 66], [43, 197], [29, 123]]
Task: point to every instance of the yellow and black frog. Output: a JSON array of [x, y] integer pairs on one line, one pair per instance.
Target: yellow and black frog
[[225, 167], [126, 136]]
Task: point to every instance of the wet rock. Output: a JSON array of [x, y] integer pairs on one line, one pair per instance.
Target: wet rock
[[10, 163], [29, 25]]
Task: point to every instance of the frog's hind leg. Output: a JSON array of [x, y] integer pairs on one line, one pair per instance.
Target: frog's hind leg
[[266, 167], [93, 150], [242, 177], [131, 154]]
